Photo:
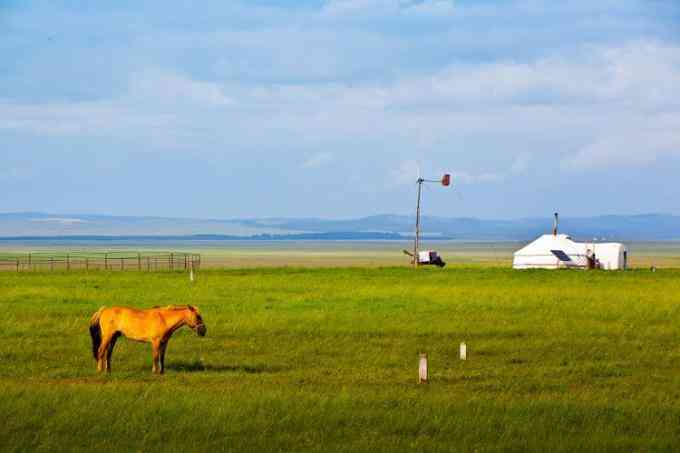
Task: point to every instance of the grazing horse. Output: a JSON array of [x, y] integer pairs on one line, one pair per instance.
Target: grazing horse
[[155, 325]]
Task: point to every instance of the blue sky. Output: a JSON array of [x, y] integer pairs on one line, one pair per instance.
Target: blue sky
[[327, 108]]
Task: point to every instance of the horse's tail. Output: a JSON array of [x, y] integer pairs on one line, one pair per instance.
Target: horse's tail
[[96, 332]]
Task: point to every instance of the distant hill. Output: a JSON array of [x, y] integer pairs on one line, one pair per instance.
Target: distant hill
[[612, 227], [630, 227]]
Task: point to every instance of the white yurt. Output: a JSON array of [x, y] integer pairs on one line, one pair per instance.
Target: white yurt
[[557, 251]]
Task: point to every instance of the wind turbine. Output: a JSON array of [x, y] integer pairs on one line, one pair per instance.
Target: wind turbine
[[444, 181]]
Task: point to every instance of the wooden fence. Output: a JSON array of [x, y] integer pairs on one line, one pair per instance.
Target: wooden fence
[[112, 260]]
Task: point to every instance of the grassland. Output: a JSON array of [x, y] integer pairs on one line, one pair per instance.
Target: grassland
[[300, 359]]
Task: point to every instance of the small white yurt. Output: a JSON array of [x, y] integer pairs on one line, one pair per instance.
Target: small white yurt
[[557, 251]]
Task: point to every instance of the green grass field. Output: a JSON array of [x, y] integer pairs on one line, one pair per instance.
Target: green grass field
[[326, 360]]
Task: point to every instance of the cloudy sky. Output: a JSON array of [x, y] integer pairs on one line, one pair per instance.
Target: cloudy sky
[[329, 107]]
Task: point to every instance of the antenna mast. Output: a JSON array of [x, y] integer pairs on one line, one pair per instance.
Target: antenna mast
[[416, 242]]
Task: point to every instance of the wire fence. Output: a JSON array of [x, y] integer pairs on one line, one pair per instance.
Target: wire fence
[[110, 261]]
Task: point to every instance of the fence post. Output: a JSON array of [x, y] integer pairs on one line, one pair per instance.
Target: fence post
[[51, 263], [30, 265], [87, 264], [139, 261], [172, 261], [17, 264], [68, 263], [148, 263], [121, 263], [106, 261], [422, 368]]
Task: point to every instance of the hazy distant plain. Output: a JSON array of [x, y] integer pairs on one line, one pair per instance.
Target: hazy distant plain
[[247, 254]]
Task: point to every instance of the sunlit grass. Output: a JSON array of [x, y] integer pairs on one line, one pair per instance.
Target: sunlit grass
[[326, 360]]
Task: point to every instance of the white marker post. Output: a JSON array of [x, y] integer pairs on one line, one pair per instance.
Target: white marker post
[[422, 369], [463, 351]]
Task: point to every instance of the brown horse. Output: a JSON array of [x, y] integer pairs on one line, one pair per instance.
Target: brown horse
[[155, 326]]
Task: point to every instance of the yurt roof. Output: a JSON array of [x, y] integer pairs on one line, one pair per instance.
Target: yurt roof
[[547, 242]]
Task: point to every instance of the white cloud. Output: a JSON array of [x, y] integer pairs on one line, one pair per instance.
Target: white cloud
[[404, 175], [168, 87], [481, 178], [483, 88], [372, 7], [60, 220], [633, 145], [520, 164], [595, 95], [434, 8], [335, 7], [317, 160], [641, 73], [407, 174]]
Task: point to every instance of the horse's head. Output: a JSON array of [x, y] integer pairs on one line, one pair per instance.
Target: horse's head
[[195, 321]]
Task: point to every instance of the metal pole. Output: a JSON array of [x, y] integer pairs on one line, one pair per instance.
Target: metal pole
[[416, 242]]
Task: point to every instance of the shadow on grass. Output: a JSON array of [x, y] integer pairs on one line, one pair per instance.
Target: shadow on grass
[[196, 366]]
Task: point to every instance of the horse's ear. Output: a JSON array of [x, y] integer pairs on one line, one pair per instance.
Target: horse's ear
[[192, 308]]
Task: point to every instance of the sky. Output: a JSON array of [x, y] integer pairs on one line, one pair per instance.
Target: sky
[[330, 108]]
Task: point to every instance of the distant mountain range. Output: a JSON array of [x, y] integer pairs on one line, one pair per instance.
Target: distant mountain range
[[612, 227]]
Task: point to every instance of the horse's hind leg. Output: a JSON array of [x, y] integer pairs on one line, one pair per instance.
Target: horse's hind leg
[[101, 356], [109, 351], [103, 352]]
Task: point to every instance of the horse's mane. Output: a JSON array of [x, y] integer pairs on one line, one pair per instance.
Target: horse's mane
[[177, 307]]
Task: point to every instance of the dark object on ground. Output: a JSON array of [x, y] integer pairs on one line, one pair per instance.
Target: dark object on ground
[[427, 257], [438, 261]]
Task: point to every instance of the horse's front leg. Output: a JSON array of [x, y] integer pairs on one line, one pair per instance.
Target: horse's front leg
[[156, 356], [164, 346]]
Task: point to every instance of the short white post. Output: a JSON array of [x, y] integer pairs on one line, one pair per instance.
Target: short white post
[[191, 274], [422, 369], [463, 351]]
